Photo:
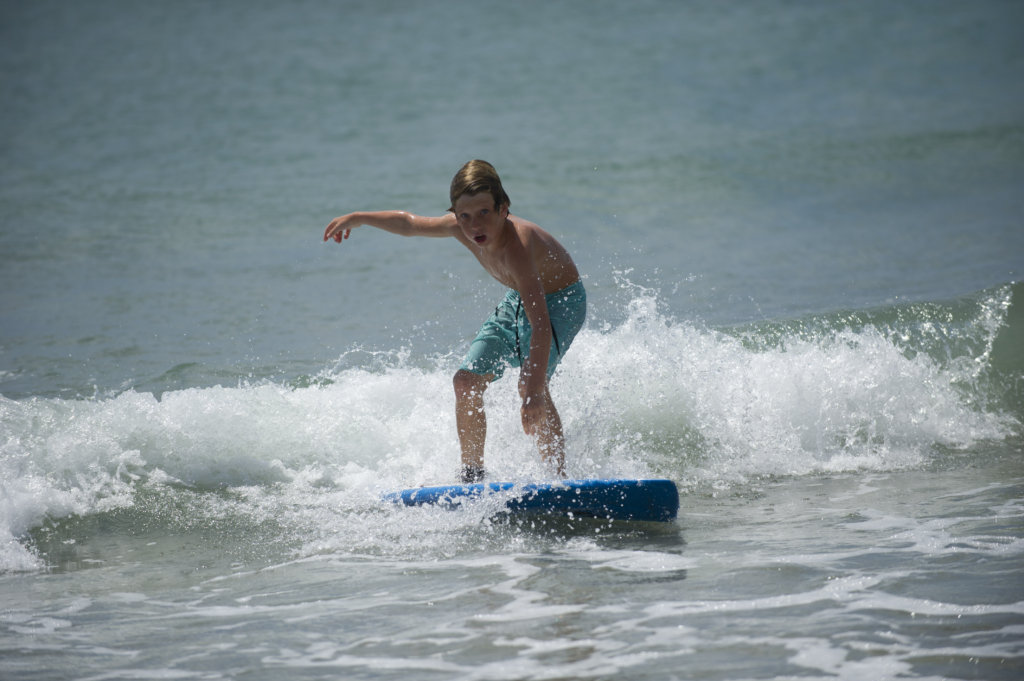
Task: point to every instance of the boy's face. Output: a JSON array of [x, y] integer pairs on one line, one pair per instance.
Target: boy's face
[[479, 219]]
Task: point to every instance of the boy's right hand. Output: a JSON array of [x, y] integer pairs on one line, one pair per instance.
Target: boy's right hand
[[338, 229]]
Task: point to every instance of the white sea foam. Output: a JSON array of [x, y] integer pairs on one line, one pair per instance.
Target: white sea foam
[[651, 396]]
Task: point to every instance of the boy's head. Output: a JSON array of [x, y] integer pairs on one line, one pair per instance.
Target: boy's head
[[475, 177]]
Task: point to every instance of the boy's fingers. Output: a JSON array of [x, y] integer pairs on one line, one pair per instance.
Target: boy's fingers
[[337, 234]]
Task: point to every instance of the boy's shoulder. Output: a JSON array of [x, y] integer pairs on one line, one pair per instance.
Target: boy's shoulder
[[533, 235], [527, 230]]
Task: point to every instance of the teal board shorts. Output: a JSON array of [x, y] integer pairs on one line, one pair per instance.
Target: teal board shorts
[[504, 339]]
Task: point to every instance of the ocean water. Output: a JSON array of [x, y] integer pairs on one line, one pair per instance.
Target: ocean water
[[801, 228]]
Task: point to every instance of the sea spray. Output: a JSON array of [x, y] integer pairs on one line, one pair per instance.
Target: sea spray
[[649, 396], [876, 391]]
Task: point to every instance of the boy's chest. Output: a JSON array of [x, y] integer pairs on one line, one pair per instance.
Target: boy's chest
[[498, 268]]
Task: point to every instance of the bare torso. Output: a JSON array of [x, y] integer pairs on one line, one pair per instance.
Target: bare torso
[[523, 240]]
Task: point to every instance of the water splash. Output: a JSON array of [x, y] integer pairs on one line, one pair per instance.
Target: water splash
[[652, 396]]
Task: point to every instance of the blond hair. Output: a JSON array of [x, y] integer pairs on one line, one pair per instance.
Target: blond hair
[[474, 177]]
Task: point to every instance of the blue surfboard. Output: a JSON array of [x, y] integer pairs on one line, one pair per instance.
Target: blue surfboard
[[645, 500]]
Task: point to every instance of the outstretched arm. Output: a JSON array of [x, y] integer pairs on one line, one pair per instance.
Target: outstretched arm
[[394, 221]]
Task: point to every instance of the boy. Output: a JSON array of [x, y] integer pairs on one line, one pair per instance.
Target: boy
[[532, 327]]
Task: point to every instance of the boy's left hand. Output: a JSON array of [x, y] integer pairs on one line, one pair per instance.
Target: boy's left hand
[[535, 412]]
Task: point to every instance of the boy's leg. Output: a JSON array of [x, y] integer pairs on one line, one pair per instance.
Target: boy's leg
[[471, 421], [550, 442]]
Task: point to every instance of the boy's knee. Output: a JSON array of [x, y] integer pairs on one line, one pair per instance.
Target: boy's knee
[[468, 383]]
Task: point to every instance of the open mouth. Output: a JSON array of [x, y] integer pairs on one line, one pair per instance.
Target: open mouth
[[480, 238]]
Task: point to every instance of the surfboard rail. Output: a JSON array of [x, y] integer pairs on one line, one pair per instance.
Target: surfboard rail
[[655, 500]]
